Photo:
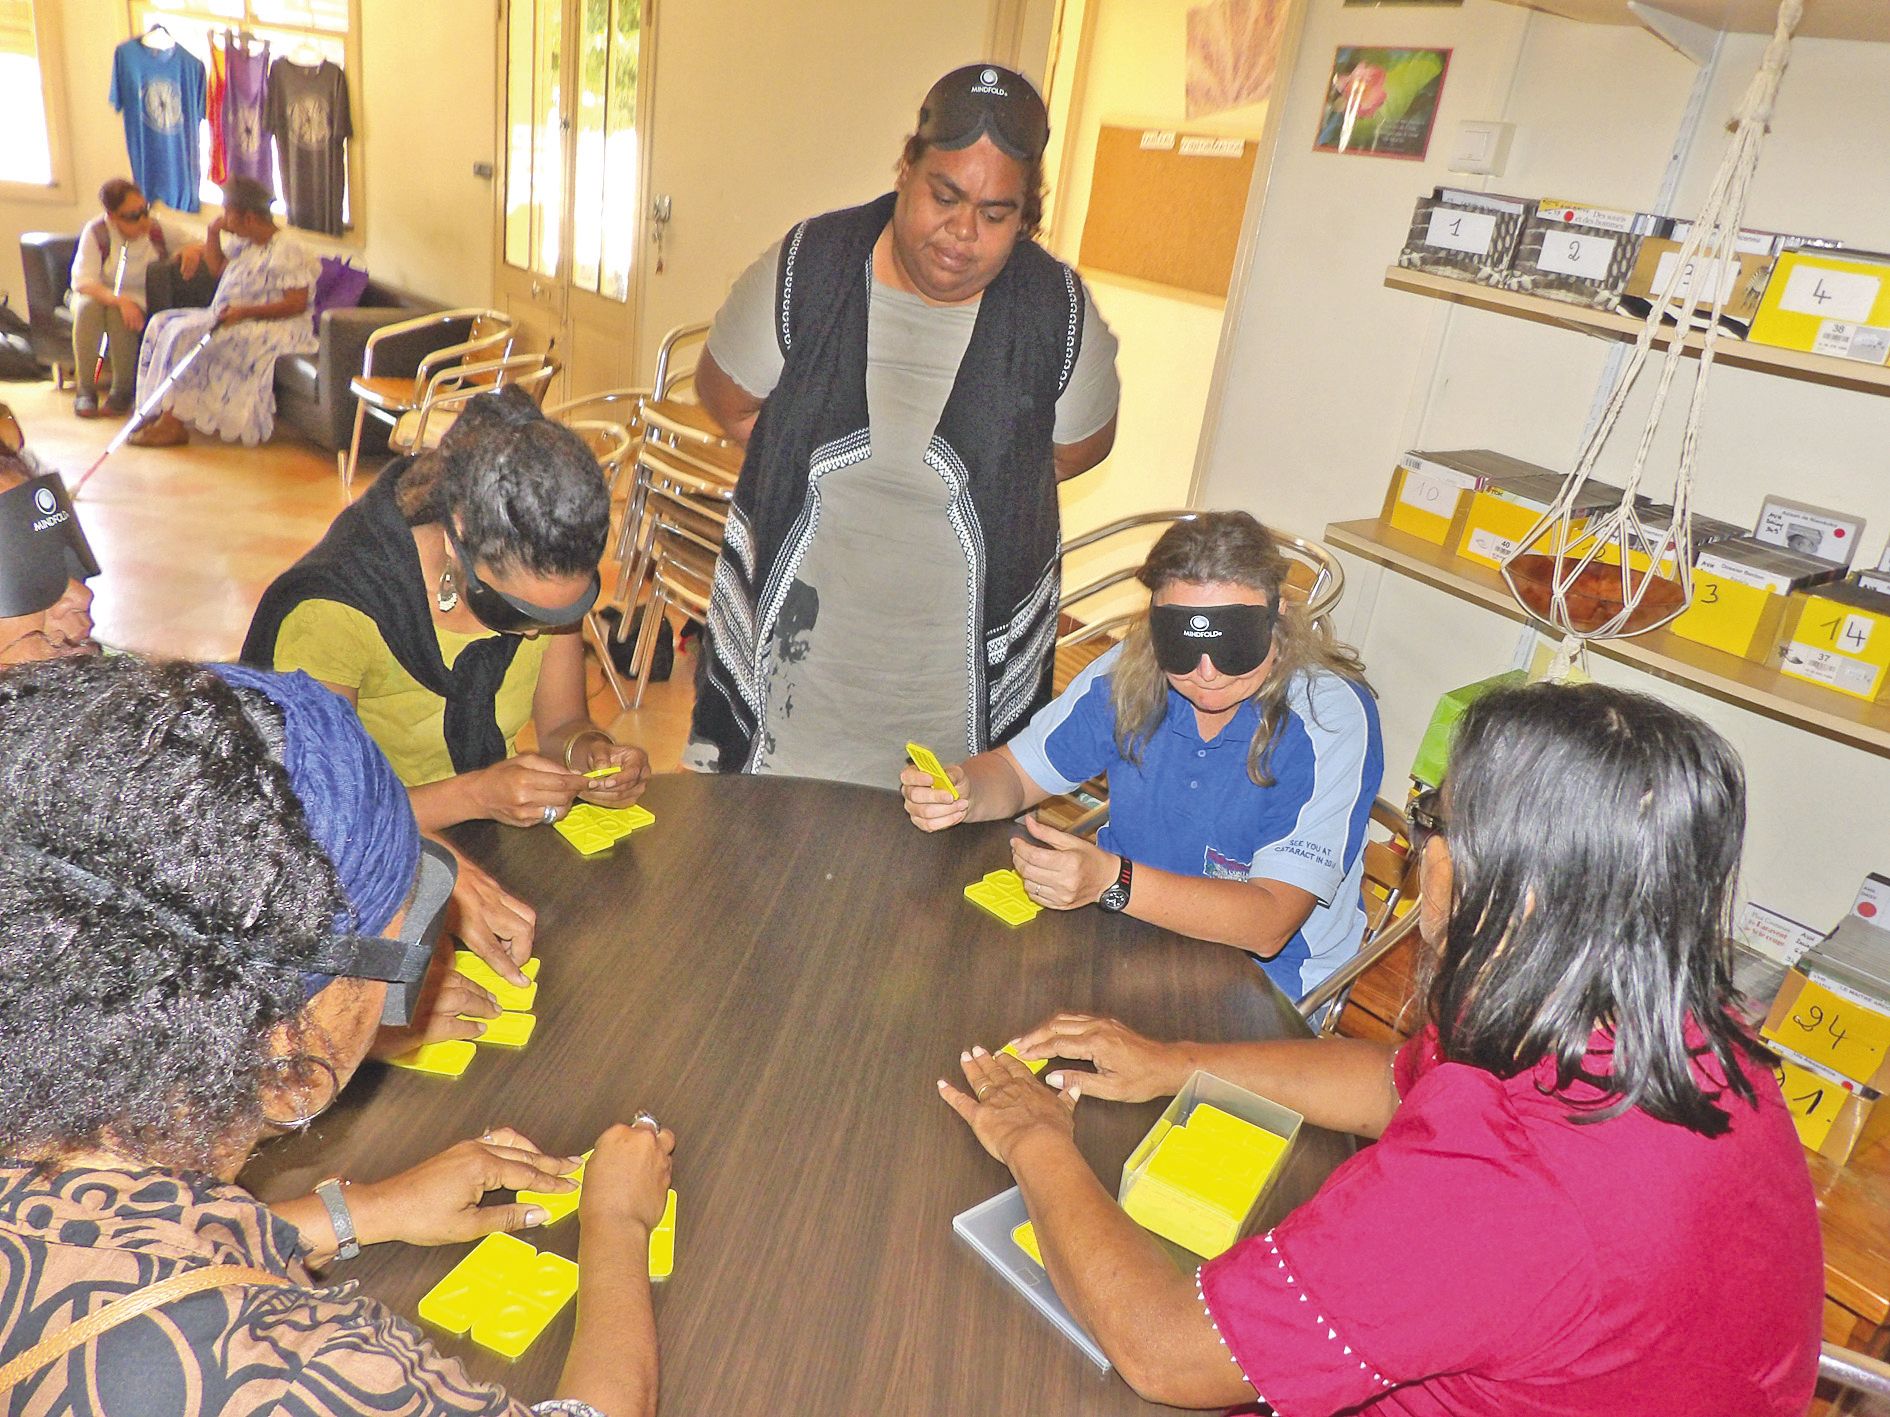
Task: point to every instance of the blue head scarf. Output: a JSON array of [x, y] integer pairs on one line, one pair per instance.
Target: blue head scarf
[[357, 809]]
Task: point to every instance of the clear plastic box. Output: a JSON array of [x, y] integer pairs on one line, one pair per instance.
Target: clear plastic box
[[1203, 1087], [988, 1227]]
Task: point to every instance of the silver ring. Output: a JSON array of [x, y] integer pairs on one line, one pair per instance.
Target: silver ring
[[551, 815], [645, 1119]]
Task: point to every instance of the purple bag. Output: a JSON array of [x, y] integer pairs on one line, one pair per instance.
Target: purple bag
[[339, 287]]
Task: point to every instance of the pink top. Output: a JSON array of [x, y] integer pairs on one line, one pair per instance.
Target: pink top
[[1487, 1255]]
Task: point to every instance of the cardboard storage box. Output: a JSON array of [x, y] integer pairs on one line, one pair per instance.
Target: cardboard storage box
[[1428, 493], [1834, 1008], [1741, 595], [1467, 235], [1576, 253], [1656, 518], [1825, 303], [1738, 278], [1832, 1114], [1841, 639], [1508, 507]]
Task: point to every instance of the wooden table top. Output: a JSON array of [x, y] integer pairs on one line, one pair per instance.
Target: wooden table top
[[780, 970]]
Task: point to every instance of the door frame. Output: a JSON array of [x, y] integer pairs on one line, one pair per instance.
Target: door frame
[[641, 260]]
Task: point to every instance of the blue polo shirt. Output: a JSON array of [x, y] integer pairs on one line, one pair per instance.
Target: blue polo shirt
[[1190, 807]]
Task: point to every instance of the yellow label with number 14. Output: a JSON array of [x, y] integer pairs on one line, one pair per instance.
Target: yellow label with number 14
[[1826, 1028], [1814, 1102]]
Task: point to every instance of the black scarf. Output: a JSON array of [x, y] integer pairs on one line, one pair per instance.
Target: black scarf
[[994, 444], [368, 561]]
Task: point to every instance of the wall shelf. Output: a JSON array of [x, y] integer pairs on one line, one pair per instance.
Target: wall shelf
[[1725, 676], [1606, 324], [1674, 20]]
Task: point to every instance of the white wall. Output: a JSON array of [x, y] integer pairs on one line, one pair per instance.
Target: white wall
[[1136, 76], [1331, 375], [767, 113]]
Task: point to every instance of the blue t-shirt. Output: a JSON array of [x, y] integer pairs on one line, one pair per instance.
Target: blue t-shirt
[[161, 93], [1190, 807]]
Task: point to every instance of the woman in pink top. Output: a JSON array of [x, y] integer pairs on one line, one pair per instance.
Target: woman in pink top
[[1585, 1194]]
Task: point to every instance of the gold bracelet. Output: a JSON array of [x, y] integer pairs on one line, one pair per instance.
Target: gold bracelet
[[578, 737]]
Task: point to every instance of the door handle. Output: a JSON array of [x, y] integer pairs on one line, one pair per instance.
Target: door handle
[[537, 290]]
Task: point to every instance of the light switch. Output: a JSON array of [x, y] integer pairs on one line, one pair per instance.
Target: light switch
[[1481, 147]]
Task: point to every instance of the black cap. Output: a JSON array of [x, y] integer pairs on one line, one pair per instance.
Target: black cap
[[985, 101]]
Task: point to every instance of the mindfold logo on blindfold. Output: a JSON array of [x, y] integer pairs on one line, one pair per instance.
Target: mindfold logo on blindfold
[[988, 83], [1198, 629]]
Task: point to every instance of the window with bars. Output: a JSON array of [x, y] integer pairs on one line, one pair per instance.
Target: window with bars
[[305, 30], [26, 155]]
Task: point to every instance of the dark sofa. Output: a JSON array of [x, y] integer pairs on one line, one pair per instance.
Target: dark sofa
[[311, 389]]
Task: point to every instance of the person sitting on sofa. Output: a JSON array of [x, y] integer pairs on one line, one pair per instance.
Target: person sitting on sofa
[[108, 298], [259, 314]]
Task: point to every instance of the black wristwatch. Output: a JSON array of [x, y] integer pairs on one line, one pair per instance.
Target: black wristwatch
[[1116, 897]]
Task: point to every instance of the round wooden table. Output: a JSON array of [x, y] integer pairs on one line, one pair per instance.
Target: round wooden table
[[780, 970]]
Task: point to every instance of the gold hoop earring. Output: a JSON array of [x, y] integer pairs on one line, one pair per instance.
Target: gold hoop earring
[[301, 1120], [447, 597]]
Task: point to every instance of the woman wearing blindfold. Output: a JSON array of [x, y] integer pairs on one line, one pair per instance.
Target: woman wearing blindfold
[[445, 605], [1584, 1192], [45, 604], [1243, 753], [168, 1010]]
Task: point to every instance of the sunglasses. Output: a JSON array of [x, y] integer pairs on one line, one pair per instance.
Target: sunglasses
[[403, 961], [508, 614], [1427, 817], [139, 215]]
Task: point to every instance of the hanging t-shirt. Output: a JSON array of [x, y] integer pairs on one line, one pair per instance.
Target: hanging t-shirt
[[161, 93], [245, 134], [213, 110], [308, 115]]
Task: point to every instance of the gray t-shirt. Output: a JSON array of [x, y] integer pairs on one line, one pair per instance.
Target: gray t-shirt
[[870, 649], [308, 114]]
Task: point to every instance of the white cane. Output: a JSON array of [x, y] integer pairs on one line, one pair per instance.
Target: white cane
[[136, 421], [104, 334]]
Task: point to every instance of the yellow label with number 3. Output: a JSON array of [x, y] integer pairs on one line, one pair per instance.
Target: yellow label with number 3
[[1727, 614], [1814, 1102], [1846, 1037]]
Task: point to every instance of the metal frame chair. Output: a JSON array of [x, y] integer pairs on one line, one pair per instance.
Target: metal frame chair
[[682, 572], [1390, 866], [451, 386], [1850, 1371], [685, 457], [671, 375], [382, 400]]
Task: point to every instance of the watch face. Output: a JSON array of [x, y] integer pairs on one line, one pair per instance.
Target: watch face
[[1114, 898]]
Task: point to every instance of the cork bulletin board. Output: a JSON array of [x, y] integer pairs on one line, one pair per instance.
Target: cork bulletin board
[[1166, 206]]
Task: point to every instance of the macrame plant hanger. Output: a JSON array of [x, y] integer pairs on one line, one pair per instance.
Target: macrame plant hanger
[[1560, 574]]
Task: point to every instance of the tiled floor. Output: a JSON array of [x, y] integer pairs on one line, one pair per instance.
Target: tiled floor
[[189, 537]]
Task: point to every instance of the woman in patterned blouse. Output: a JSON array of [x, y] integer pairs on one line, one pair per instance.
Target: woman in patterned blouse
[[179, 850]]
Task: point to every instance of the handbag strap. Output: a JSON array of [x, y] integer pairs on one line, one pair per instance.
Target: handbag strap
[[139, 1301]]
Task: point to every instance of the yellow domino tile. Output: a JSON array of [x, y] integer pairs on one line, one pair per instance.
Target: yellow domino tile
[[1160, 1208], [1002, 893], [510, 1321], [1025, 1238], [448, 1058], [558, 1204], [663, 1242], [488, 1268], [1226, 1180], [508, 996], [1036, 1065], [926, 761], [1224, 1129], [610, 771], [509, 1030]]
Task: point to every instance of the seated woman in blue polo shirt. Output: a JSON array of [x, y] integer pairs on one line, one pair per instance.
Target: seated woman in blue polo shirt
[[1243, 753]]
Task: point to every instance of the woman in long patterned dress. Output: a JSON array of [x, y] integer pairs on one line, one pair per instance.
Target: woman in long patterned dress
[[259, 314]]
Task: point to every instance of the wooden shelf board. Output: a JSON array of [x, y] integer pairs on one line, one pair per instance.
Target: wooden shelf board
[[1606, 324], [1725, 676], [1824, 19]]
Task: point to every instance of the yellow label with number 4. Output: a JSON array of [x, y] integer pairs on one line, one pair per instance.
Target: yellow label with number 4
[[1814, 1102], [1845, 1036]]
